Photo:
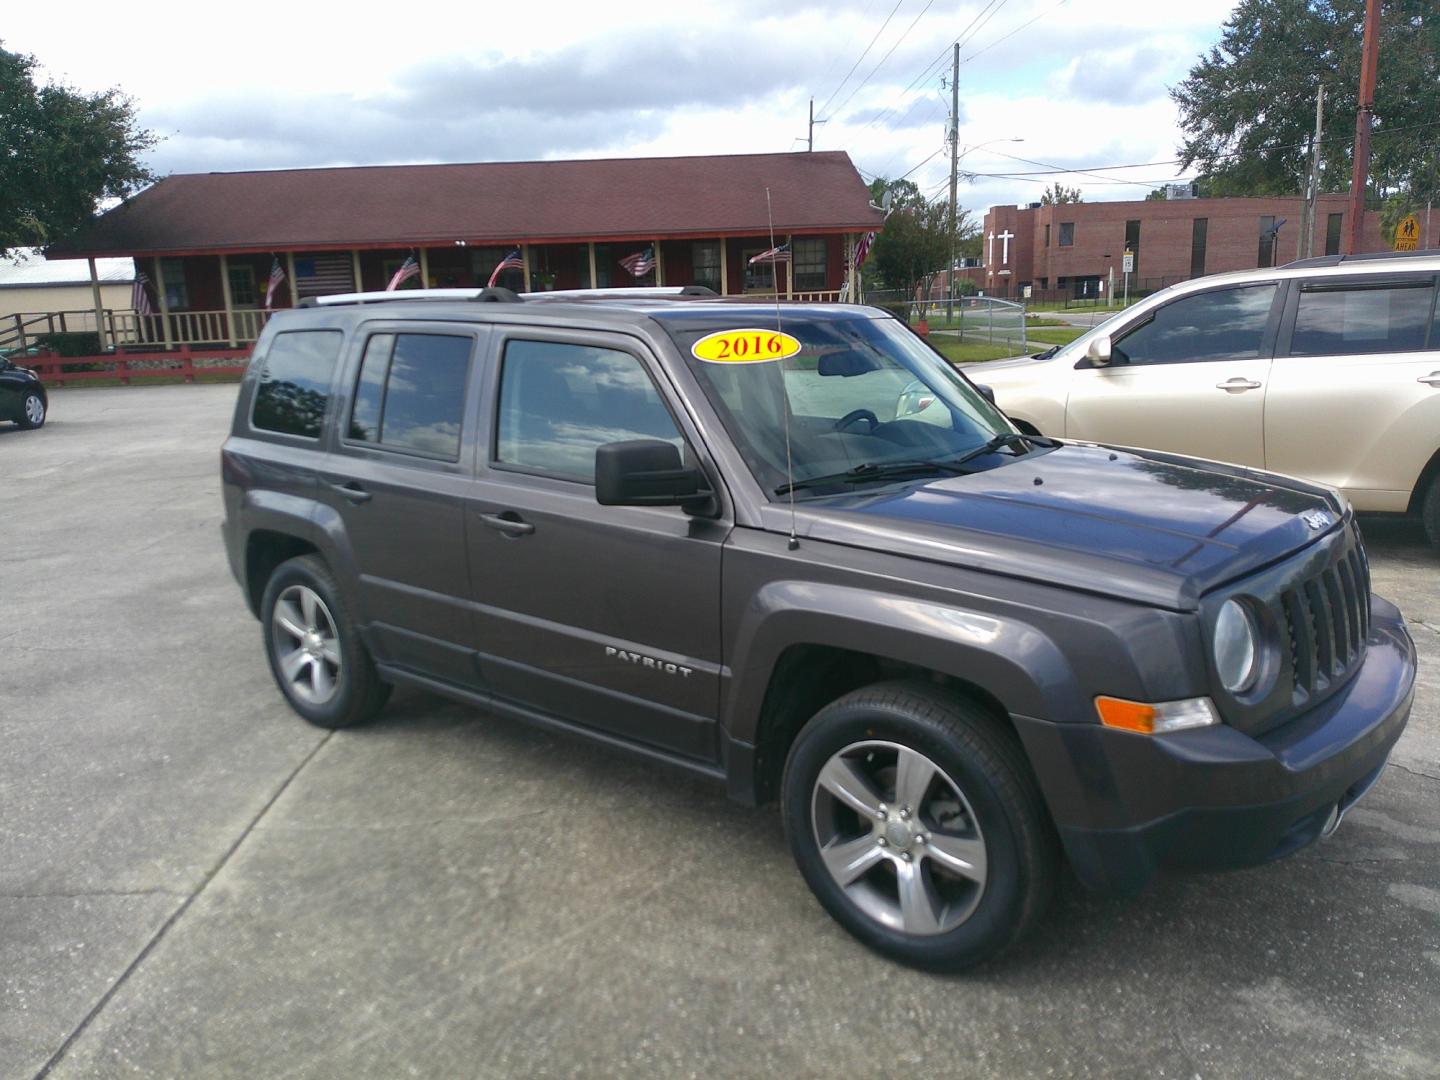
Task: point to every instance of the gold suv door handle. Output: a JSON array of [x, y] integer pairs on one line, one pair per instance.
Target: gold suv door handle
[[1433, 379], [1238, 383]]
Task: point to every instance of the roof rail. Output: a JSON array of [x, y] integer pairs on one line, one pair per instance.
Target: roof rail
[[496, 294], [623, 292], [1373, 256]]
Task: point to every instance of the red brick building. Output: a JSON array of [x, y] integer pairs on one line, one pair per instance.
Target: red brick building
[[208, 241], [1072, 248]]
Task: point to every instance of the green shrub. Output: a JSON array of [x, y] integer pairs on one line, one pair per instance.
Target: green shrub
[[73, 343]]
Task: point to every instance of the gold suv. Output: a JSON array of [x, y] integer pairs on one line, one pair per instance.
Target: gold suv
[[1327, 369]]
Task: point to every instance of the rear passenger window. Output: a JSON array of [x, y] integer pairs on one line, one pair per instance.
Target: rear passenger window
[[1340, 319], [410, 395], [559, 402], [294, 385]]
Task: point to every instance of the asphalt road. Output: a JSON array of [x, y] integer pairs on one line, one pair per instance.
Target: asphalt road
[[193, 883]]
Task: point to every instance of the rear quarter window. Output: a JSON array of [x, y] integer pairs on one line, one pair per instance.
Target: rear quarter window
[[294, 388]]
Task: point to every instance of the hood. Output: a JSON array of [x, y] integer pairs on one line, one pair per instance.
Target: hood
[[1154, 528], [976, 371]]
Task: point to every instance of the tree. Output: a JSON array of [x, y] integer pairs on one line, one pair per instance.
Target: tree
[[915, 242], [1247, 108], [1057, 194], [62, 152]]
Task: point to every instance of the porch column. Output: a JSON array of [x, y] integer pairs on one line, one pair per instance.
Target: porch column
[[424, 269], [724, 266], [851, 241], [790, 269], [525, 264], [591, 246], [659, 264], [99, 306], [355, 264], [290, 277], [159, 280], [229, 302]]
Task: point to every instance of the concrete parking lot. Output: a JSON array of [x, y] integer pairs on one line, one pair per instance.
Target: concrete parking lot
[[194, 883]]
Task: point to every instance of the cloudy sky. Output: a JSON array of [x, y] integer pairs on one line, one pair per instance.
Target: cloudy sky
[[1082, 82]]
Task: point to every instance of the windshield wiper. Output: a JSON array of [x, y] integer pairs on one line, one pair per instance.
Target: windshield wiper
[[1005, 438], [1051, 351], [869, 470]]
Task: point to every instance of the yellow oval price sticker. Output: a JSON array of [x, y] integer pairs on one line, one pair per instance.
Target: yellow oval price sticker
[[751, 346]]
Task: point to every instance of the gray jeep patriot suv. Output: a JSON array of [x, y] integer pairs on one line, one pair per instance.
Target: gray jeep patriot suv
[[796, 551]]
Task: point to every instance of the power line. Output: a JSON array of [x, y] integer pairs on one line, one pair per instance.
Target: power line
[[862, 55], [877, 67], [1012, 33]]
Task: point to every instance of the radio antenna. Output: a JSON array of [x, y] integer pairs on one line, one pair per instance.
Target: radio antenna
[[784, 397]]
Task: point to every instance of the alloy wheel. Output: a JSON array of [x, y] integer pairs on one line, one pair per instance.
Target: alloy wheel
[[307, 647], [899, 837], [34, 410]]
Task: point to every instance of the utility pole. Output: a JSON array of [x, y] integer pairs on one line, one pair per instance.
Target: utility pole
[[1370, 57], [1306, 248], [954, 180], [810, 131]]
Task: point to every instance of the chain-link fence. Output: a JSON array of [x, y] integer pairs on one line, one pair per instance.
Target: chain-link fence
[[968, 318]]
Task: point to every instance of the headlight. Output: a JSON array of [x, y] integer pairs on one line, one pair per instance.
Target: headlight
[[1236, 656]]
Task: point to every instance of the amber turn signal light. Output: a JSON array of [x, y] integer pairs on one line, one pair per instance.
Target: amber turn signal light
[[1156, 719]]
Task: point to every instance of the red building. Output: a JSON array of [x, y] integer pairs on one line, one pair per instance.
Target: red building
[[1073, 248], [208, 241]]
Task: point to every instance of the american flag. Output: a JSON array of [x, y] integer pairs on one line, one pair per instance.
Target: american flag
[[778, 254], [324, 273], [277, 278], [140, 295], [862, 249], [408, 269], [641, 263], [513, 261]]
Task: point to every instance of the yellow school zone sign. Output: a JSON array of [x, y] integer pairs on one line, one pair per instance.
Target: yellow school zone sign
[[749, 346], [1407, 234]]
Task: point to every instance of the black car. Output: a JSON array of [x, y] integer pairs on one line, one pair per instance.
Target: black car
[[22, 397], [954, 652]]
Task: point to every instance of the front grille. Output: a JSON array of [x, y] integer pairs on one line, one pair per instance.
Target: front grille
[[1327, 618]]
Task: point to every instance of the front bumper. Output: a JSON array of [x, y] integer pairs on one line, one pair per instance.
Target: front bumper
[[1127, 805]]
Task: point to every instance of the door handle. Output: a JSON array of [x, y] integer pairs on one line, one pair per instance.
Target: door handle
[[1433, 379], [1238, 383], [353, 491], [509, 523]]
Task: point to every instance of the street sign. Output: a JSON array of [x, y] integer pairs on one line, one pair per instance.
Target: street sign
[[1407, 234], [1127, 264]]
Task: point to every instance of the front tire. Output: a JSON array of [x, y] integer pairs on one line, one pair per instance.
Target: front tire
[[916, 821], [316, 655], [32, 411], [1430, 511]]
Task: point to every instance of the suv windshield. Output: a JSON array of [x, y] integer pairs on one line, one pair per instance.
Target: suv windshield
[[867, 402]]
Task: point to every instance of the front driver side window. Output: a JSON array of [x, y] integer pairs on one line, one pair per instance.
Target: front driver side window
[[1224, 324]]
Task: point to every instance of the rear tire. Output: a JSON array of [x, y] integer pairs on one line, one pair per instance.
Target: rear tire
[[1430, 510], [316, 655], [926, 803]]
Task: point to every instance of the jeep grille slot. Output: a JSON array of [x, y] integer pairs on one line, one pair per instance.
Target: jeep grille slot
[[1327, 621]]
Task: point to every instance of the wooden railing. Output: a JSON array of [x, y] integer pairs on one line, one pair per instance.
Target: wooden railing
[[126, 327], [182, 362]]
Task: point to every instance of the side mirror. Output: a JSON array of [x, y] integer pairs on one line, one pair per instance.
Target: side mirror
[[988, 393], [1098, 351], [647, 472]]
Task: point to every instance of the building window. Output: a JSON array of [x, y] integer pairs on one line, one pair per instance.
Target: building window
[[295, 382], [809, 256], [1332, 233], [705, 264], [1047, 236], [603, 275], [177, 297], [242, 287], [1132, 244], [1067, 234], [1342, 320], [1266, 256], [1198, 231], [411, 393]]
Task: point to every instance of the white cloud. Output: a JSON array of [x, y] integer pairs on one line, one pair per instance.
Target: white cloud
[[371, 82]]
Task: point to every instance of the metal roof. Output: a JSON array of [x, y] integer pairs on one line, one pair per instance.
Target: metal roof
[[34, 271]]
